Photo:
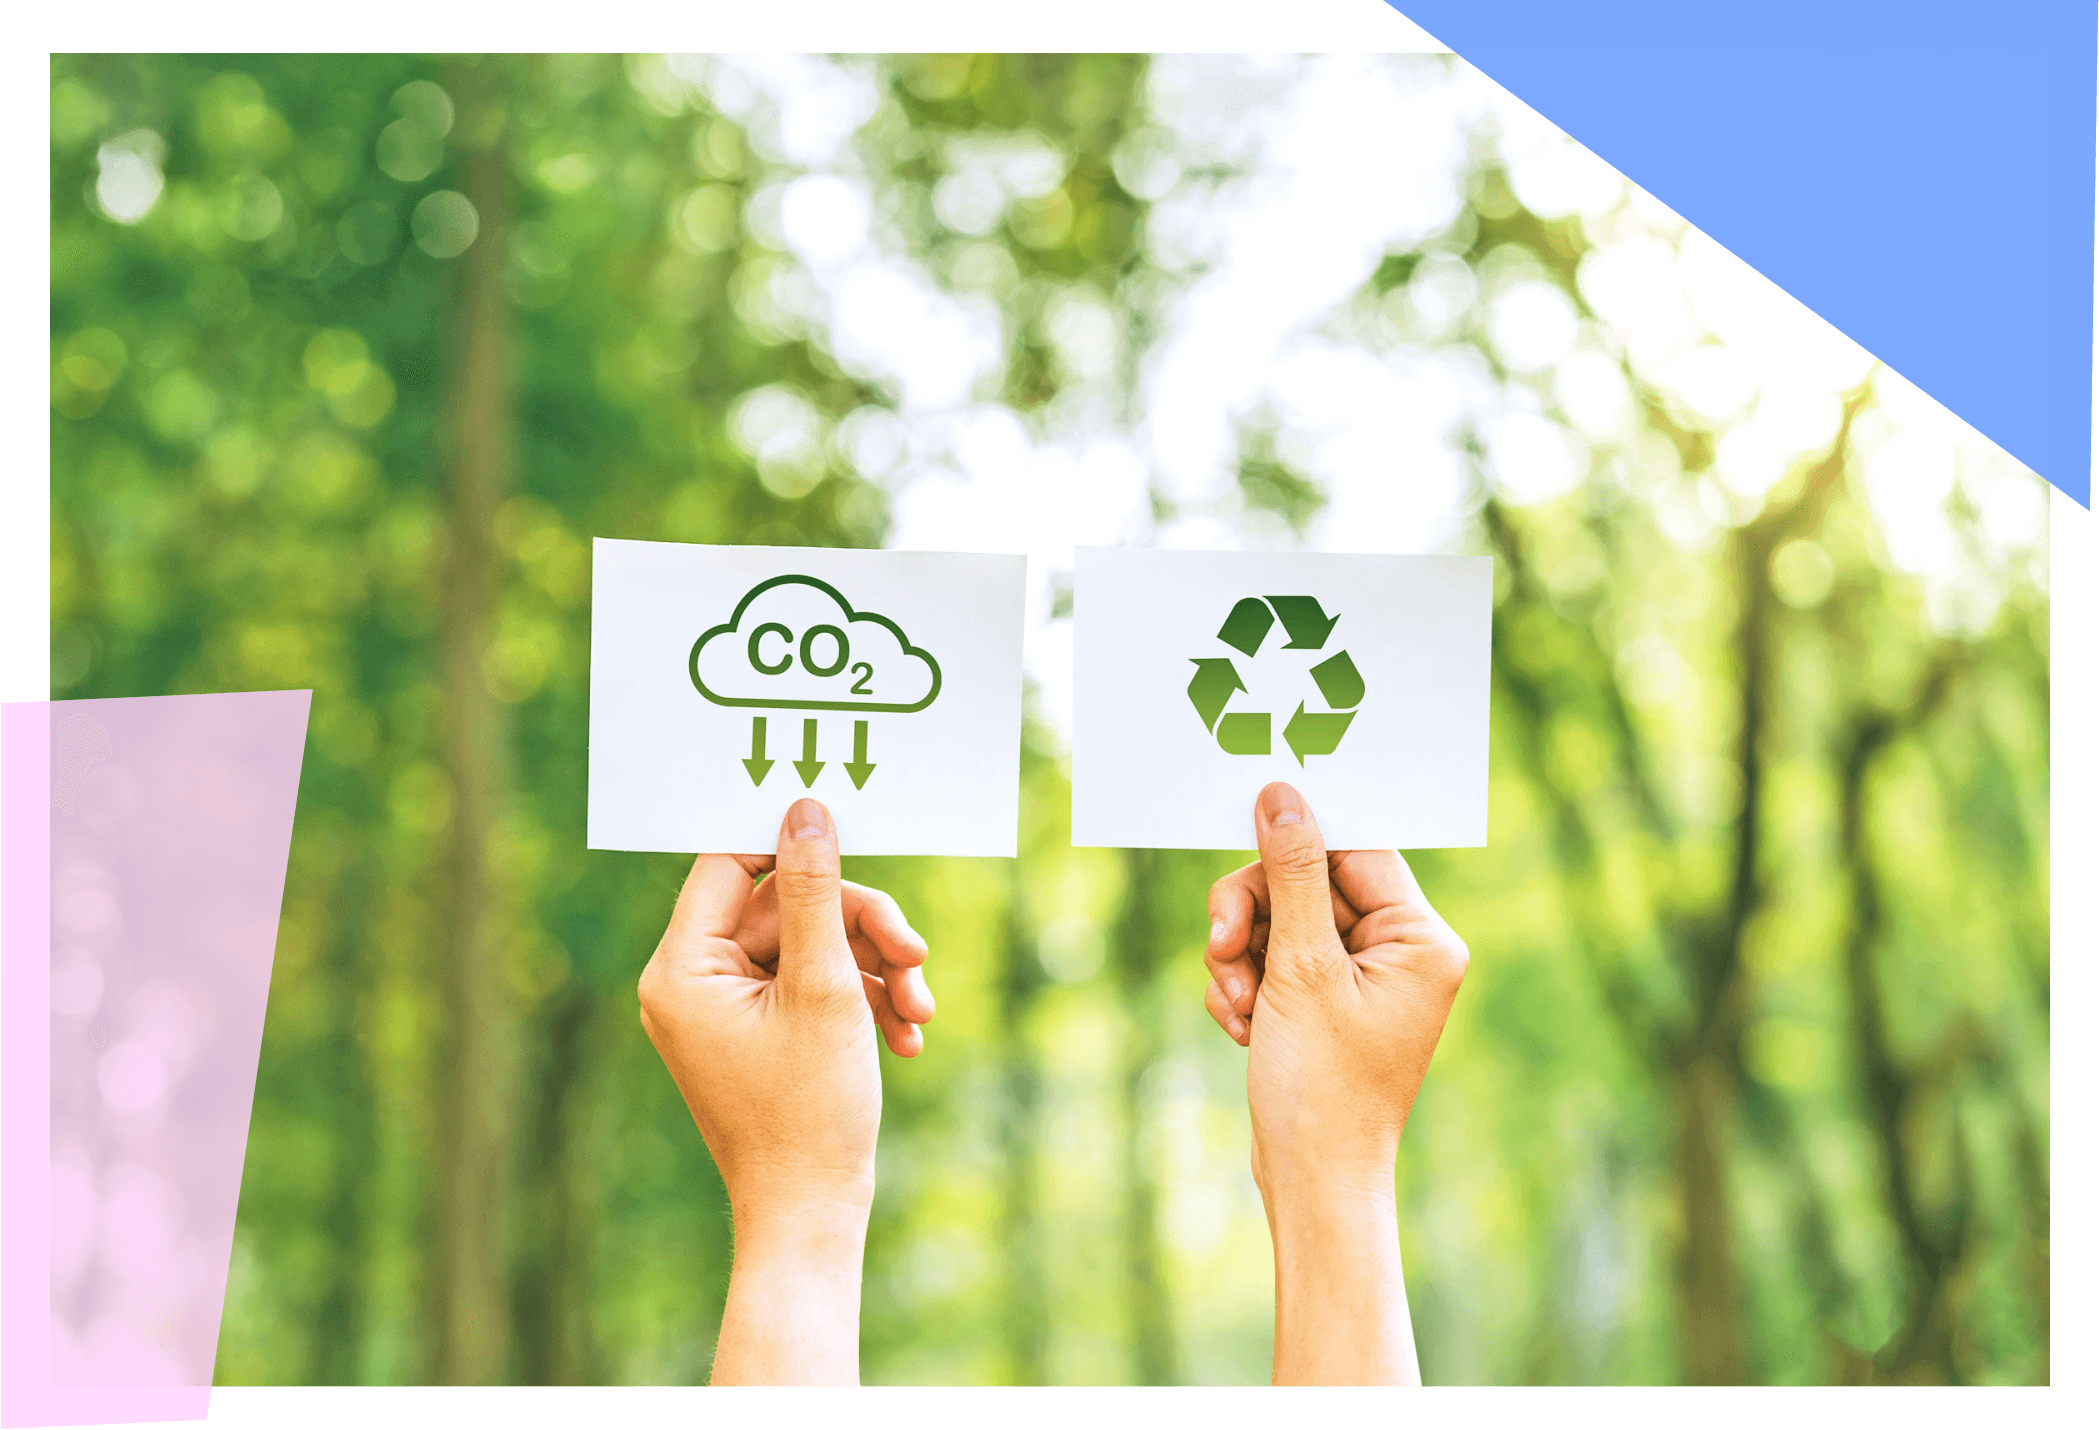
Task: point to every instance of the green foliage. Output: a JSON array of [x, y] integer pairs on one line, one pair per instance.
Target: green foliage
[[1766, 898]]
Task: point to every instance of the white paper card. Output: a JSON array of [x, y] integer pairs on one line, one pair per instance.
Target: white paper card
[[1200, 676], [728, 681]]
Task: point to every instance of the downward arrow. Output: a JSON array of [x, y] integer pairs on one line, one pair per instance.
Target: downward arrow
[[1304, 619], [857, 766], [808, 765], [757, 764]]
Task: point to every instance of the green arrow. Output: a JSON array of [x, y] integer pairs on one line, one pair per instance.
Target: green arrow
[[1215, 680], [1339, 681], [1303, 618], [1244, 732], [858, 767], [1315, 734], [808, 765], [757, 764], [1247, 626]]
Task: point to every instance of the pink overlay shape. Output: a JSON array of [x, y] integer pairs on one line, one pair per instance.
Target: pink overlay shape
[[143, 845]]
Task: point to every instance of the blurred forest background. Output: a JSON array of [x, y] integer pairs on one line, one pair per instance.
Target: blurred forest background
[[352, 357]]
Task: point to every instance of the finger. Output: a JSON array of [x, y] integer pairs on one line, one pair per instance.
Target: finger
[[1227, 1016], [1237, 979], [1237, 902], [712, 899], [1372, 879], [1300, 894], [907, 983], [1395, 910], [814, 955], [758, 934], [710, 905], [902, 1036], [908, 991], [1234, 906], [872, 921], [874, 916], [1346, 915]]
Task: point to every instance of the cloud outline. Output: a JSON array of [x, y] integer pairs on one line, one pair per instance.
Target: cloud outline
[[730, 626]]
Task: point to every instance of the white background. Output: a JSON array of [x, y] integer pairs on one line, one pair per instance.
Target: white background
[[1411, 770], [666, 764]]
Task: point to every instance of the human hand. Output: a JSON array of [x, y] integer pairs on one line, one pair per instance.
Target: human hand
[[764, 1004], [1337, 975]]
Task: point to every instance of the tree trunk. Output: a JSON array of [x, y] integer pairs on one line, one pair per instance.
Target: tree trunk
[[1155, 1350], [336, 1352], [1707, 1055], [1025, 1321], [1923, 1347], [549, 1331], [468, 1291], [1706, 1282]]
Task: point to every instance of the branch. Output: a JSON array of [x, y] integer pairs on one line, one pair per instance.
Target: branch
[[1574, 843], [1888, 1085], [1719, 976]]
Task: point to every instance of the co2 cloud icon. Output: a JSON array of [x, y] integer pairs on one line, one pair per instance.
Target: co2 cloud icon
[[795, 643]]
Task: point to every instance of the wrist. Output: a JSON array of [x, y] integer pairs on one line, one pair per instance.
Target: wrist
[[800, 1219], [1340, 1291], [1333, 1222], [793, 1311], [1341, 1176]]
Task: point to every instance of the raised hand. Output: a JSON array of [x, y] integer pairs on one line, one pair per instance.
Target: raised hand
[[1337, 975], [764, 1004]]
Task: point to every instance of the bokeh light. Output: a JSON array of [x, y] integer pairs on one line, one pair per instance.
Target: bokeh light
[[444, 223]]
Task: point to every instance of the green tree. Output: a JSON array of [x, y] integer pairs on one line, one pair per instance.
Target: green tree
[[352, 356]]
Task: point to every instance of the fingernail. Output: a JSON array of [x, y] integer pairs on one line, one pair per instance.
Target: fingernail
[[1216, 931], [1234, 990], [807, 820], [1237, 1027], [1283, 806]]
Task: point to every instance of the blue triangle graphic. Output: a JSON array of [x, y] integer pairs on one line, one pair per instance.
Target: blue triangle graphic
[[1921, 174]]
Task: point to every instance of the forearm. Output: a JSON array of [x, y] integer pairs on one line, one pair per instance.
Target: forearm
[[793, 1312], [1340, 1298]]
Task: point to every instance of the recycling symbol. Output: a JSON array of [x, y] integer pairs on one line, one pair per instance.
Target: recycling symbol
[[1246, 732]]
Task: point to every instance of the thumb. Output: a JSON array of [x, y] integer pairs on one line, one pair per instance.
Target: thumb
[[1300, 897], [814, 954]]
